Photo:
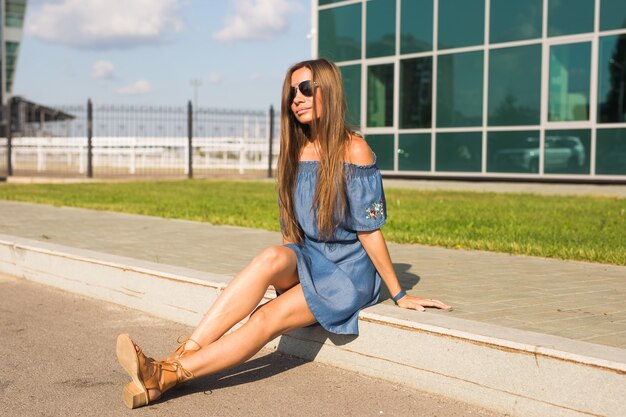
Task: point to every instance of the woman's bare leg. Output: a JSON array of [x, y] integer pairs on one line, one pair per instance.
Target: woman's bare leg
[[287, 312], [283, 314], [274, 266]]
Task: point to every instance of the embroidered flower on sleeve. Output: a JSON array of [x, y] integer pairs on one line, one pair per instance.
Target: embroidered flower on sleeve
[[375, 210]]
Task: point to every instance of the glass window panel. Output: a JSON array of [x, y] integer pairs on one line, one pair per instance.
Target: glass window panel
[[458, 152], [567, 17], [416, 85], [14, 13], [416, 26], [570, 79], [612, 79], [460, 89], [515, 20], [612, 14], [514, 85], [381, 28], [380, 95], [567, 151], [611, 151], [516, 151], [325, 2], [461, 23], [11, 50], [382, 146], [414, 152], [340, 33], [351, 76]]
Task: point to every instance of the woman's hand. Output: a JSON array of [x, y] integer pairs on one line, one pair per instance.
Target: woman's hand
[[417, 303]]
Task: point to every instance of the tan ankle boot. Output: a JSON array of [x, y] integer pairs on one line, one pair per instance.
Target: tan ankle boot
[[147, 374]]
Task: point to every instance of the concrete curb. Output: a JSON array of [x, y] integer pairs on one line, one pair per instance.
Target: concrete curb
[[517, 372]]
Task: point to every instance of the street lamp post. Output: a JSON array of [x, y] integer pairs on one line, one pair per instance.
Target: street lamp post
[[192, 112], [195, 83]]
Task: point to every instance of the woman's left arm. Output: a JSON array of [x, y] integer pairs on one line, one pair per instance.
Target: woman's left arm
[[376, 248]]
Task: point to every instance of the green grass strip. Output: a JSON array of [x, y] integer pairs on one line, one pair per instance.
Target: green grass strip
[[578, 228]]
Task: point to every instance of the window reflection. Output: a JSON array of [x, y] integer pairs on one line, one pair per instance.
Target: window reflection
[[515, 20], [416, 92], [567, 152], [381, 28], [570, 72], [567, 17], [351, 76], [416, 26], [611, 151], [459, 152], [612, 14], [460, 90], [461, 23], [513, 152], [340, 33], [382, 146], [380, 95], [612, 79], [514, 85], [414, 152]]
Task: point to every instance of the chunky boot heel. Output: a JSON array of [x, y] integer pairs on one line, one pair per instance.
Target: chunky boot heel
[[146, 373], [134, 396]]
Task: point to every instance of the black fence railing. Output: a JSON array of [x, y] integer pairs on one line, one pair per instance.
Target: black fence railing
[[154, 141]]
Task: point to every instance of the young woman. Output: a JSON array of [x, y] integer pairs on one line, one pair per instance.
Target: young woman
[[333, 256]]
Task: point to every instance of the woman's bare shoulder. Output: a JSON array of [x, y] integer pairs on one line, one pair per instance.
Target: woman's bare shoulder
[[359, 152]]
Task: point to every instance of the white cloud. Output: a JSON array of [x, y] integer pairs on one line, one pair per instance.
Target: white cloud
[[257, 19], [136, 88], [101, 24], [215, 77], [102, 70]]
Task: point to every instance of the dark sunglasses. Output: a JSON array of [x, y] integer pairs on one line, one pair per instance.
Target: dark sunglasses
[[305, 87]]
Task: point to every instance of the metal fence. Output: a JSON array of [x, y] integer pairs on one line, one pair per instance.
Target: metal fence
[[3, 158], [149, 141]]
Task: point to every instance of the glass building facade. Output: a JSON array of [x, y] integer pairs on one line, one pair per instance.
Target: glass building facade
[[532, 89], [12, 17]]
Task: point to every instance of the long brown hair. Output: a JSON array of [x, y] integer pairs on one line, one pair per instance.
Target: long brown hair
[[332, 133]]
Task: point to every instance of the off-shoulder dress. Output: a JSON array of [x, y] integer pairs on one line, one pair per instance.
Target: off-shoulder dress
[[337, 276]]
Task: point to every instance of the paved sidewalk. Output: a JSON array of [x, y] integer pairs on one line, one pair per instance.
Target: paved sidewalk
[[609, 190], [58, 359], [576, 300]]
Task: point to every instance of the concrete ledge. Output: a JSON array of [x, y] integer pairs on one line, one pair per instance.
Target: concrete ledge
[[517, 372]]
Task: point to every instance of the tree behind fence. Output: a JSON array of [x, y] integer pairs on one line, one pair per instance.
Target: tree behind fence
[[149, 141]]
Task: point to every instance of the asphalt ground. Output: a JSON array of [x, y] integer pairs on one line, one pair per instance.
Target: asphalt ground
[[58, 359]]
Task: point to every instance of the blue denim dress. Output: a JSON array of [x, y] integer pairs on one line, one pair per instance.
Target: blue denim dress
[[337, 276]]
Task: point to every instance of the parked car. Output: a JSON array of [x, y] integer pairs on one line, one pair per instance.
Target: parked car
[[562, 154]]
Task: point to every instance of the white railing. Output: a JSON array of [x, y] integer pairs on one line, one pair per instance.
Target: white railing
[[132, 154]]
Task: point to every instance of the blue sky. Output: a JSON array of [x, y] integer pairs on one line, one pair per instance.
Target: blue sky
[[148, 51]]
